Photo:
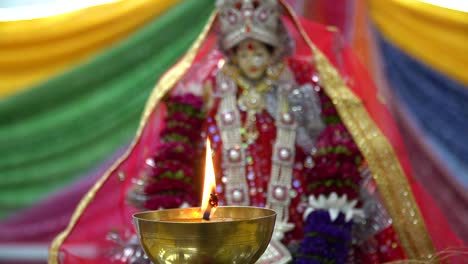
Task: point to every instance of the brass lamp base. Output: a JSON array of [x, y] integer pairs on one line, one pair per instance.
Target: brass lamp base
[[232, 235]]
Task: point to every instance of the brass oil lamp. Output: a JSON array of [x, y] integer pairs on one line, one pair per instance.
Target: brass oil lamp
[[210, 234]]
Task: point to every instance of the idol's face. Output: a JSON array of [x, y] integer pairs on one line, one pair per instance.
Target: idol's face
[[253, 58]]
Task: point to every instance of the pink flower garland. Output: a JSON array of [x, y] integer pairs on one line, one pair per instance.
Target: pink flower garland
[[336, 169], [170, 181], [337, 160]]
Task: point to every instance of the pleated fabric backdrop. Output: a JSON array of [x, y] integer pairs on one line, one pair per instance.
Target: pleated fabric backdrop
[[75, 101], [423, 53], [34, 50]]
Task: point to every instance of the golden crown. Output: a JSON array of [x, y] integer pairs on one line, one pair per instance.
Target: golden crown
[[242, 19]]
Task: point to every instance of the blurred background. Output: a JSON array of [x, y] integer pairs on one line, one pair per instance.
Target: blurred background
[[75, 75]]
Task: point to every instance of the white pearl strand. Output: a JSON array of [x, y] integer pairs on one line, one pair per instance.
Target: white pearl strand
[[228, 120]]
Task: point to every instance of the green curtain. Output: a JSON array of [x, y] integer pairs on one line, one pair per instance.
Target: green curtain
[[53, 133]]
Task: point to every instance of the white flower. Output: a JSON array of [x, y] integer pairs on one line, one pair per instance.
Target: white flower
[[335, 205]]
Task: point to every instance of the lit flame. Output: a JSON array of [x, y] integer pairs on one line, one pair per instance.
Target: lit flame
[[209, 185]]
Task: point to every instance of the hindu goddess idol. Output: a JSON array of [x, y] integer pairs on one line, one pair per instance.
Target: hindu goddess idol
[[295, 126]]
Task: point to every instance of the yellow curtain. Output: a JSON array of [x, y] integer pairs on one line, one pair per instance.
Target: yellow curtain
[[435, 35], [33, 50]]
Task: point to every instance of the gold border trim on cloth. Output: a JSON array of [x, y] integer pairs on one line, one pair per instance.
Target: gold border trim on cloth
[[379, 154], [166, 82]]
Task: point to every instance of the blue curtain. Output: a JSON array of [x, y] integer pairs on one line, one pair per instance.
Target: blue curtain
[[439, 105]]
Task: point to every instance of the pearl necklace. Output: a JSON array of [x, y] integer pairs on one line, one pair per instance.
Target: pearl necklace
[[229, 124]]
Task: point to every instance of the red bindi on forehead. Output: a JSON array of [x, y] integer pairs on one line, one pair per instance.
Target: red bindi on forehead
[[250, 46]]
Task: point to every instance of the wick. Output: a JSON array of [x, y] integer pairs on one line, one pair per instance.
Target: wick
[[212, 203], [206, 214]]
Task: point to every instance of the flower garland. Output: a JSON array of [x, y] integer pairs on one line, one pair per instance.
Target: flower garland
[[337, 160], [336, 176], [170, 181]]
